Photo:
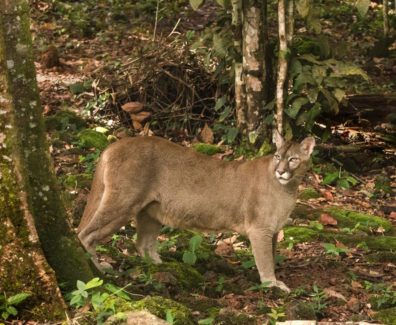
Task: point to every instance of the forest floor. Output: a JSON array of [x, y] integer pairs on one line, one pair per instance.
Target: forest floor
[[338, 255]]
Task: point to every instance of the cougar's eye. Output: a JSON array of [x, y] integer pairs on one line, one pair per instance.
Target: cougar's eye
[[294, 160], [277, 156]]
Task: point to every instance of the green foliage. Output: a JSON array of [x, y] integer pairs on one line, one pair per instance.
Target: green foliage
[[319, 86], [331, 249], [64, 120], [80, 87], [276, 315], [318, 300], [101, 297], [334, 176], [8, 304], [189, 256], [383, 296], [195, 4], [89, 161], [362, 7]]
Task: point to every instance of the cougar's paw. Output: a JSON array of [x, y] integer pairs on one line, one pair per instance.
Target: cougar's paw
[[278, 284]]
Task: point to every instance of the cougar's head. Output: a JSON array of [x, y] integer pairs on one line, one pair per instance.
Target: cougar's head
[[291, 159]]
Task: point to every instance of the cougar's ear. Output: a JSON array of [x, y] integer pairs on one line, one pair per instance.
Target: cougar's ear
[[307, 145], [277, 139]]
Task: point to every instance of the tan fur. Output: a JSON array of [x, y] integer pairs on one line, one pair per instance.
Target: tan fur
[[161, 183]]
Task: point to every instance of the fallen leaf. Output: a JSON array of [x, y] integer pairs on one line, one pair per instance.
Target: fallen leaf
[[207, 134], [224, 249], [132, 107], [328, 195], [353, 304], [137, 125], [340, 245], [326, 219], [356, 285], [392, 215], [330, 293]]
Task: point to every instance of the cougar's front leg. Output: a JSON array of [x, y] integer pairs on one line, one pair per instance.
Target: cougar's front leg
[[263, 251]]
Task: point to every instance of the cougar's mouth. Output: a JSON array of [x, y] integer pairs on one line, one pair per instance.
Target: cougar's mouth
[[283, 178]]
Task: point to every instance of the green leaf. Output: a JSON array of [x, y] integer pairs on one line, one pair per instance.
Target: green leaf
[[189, 257], [95, 282], [352, 180], [4, 315], [231, 135], [225, 113], [248, 264], [296, 106], [343, 183], [195, 242], [319, 72], [12, 310], [18, 298], [330, 178], [253, 137], [312, 94], [206, 321], [331, 100], [169, 317], [119, 292], [195, 4], [224, 3], [220, 102], [303, 7], [220, 45], [80, 285], [77, 301], [347, 69], [362, 7], [339, 94]]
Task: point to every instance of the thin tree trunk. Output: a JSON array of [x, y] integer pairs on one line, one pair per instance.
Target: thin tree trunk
[[282, 65], [386, 18], [240, 93], [254, 69], [31, 203]]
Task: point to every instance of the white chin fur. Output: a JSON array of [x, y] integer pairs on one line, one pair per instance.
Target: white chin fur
[[283, 181]]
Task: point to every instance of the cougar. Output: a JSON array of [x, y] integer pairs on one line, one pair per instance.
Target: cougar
[[162, 183]]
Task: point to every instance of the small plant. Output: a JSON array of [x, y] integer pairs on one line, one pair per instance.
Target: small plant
[[89, 161], [318, 300], [264, 286], [340, 179], [383, 295], [100, 296], [170, 319], [275, 315], [8, 304], [315, 225], [220, 284], [331, 249], [351, 231], [189, 256]]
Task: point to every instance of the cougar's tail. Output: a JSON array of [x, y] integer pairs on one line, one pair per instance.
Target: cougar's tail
[[94, 197]]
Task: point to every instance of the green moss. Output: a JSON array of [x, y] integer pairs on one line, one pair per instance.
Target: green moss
[[300, 234], [387, 316], [207, 149], [309, 193], [367, 222], [91, 139], [300, 310], [375, 243], [159, 306], [64, 120], [228, 317], [187, 276], [302, 211]]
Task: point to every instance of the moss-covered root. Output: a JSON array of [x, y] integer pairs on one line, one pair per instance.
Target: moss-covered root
[[160, 306]]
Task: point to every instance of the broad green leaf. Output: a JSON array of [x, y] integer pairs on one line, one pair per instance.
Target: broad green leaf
[[319, 72], [303, 7], [312, 115], [169, 317], [248, 264], [224, 114], [195, 4], [295, 67], [296, 106], [206, 321], [311, 58], [343, 183], [352, 180], [231, 135], [95, 282], [80, 285], [331, 100], [189, 257], [4, 315], [195, 242], [76, 301], [330, 178], [345, 69], [220, 103], [18, 298], [362, 7], [339, 94], [312, 94], [313, 21], [253, 137], [224, 3], [304, 79]]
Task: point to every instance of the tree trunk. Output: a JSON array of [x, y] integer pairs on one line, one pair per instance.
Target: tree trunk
[[385, 11], [32, 216], [254, 65]]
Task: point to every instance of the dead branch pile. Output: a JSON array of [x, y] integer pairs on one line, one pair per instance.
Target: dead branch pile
[[177, 93]]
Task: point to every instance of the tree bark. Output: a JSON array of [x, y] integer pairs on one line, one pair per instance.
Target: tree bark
[[385, 11], [254, 64], [32, 216]]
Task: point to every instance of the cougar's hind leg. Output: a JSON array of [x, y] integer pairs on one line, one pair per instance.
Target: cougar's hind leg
[[148, 230], [110, 216]]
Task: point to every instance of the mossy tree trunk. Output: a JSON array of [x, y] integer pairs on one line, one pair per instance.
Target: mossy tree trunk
[[251, 89], [32, 217]]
